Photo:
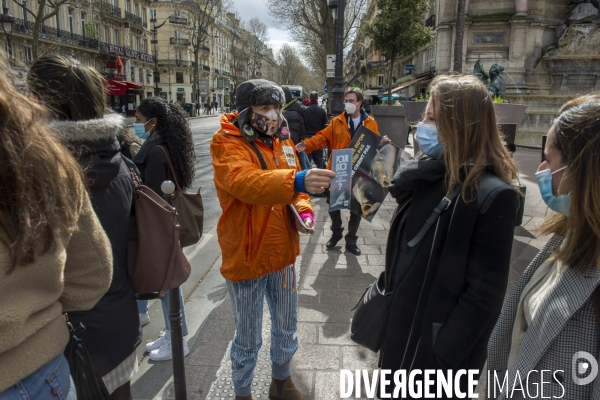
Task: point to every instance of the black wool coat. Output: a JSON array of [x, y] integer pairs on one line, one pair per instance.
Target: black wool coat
[[153, 164], [112, 327], [445, 307], [294, 114], [315, 119]]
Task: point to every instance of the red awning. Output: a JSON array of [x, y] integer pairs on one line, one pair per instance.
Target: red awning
[[116, 88], [131, 85]]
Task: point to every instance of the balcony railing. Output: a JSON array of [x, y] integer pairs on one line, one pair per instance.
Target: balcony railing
[[176, 63], [205, 68], [108, 8], [73, 39], [58, 35], [376, 64], [217, 71], [180, 41], [178, 20], [206, 49], [134, 19]]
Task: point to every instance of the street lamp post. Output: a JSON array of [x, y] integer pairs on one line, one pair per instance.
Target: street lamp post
[[337, 106], [155, 43], [7, 22]]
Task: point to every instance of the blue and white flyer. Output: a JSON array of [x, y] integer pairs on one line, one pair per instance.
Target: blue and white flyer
[[341, 185]]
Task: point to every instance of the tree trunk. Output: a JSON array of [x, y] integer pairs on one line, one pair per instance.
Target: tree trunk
[[460, 32], [392, 59]]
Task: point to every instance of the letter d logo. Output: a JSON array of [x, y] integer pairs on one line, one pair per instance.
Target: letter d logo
[[583, 367]]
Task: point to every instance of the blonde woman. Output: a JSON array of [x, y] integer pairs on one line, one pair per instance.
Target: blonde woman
[[54, 254], [449, 276], [551, 315]]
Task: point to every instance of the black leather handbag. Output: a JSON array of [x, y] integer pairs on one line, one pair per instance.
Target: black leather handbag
[[372, 312]]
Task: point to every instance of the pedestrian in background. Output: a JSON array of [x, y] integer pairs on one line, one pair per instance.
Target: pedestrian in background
[[74, 93], [448, 277], [315, 120], [338, 135], [552, 313], [293, 113], [164, 125], [54, 254], [257, 175]]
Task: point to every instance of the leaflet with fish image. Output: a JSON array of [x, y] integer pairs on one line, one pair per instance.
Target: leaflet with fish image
[[373, 167], [341, 185]]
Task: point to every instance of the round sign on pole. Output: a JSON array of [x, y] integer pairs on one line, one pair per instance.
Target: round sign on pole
[[325, 88]]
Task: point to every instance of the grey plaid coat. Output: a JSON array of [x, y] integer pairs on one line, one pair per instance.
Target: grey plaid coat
[[564, 324]]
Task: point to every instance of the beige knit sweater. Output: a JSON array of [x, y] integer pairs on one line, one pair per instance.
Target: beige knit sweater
[[73, 276]]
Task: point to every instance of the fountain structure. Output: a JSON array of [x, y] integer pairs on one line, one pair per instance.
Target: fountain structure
[[549, 50]]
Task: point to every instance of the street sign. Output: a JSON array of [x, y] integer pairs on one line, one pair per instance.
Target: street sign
[[325, 88], [409, 67], [330, 61], [330, 74], [180, 89]]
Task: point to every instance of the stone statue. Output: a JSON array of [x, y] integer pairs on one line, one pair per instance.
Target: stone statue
[[496, 84], [574, 3]]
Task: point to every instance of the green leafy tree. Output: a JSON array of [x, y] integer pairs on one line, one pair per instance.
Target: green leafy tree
[[398, 30]]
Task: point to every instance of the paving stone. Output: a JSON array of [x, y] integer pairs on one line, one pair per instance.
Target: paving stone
[[307, 333], [370, 249], [327, 385], [336, 334], [316, 357], [376, 259], [358, 357], [375, 240]]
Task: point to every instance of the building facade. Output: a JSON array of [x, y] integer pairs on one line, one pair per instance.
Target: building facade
[[110, 36]]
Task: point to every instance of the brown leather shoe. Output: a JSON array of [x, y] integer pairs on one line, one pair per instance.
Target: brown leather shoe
[[286, 390], [249, 397]]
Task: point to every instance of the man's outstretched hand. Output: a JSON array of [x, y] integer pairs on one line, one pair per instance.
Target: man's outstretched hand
[[317, 180], [301, 146]]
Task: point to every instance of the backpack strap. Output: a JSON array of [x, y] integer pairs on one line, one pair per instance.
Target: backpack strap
[[596, 301], [263, 164], [170, 165]]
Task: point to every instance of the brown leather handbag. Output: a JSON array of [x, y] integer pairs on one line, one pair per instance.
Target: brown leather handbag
[[155, 260], [190, 210]]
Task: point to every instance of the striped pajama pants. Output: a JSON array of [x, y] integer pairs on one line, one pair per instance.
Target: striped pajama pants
[[247, 303]]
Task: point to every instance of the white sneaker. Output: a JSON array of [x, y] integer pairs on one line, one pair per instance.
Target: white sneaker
[[164, 352], [158, 342], [144, 319]]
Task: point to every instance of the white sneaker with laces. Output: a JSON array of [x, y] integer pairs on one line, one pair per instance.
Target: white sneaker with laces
[[164, 352], [150, 346], [144, 319]]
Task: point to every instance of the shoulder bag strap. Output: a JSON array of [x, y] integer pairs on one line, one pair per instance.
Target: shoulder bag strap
[[170, 165], [596, 301], [263, 164], [439, 209]]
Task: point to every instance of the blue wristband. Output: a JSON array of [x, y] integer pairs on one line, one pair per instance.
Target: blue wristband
[[299, 181]]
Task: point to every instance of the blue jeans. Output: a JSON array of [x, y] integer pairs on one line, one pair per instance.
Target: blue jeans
[[247, 303], [50, 382], [304, 161], [318, 157], [143, 308]]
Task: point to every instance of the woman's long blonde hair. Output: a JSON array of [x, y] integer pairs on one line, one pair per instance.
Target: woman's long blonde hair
[[577, 137], [466, 122], [41, 184]]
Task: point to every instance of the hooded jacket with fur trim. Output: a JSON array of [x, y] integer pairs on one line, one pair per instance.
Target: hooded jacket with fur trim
[[94, 144], [255, 231]]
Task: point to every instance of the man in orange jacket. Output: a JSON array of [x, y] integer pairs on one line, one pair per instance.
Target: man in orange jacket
[[258, 177], [338, 135]]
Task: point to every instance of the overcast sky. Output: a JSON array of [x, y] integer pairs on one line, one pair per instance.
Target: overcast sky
[[249, 9]]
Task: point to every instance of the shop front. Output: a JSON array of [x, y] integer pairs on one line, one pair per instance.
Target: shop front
[[124, 95]]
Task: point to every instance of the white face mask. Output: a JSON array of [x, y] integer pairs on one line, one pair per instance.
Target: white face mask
[[350, 108]]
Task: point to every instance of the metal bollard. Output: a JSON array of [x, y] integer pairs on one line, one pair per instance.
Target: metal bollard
[[179, 384]]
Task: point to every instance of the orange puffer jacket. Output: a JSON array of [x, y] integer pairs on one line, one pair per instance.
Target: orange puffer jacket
[[336, 135], [255, 231]]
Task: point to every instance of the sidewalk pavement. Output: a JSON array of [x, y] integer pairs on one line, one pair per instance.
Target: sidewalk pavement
[[330, 284]]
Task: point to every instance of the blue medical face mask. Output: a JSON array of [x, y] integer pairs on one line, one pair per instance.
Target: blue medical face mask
[[562, 203], [140, 130], [427, 137]]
